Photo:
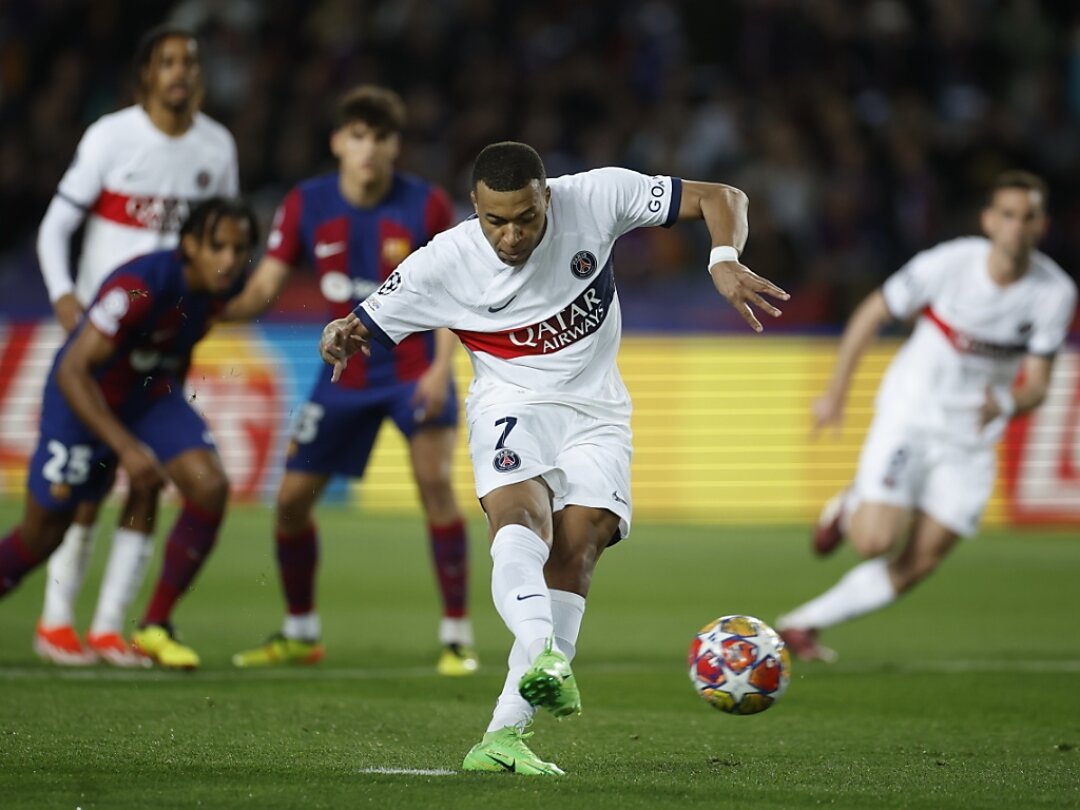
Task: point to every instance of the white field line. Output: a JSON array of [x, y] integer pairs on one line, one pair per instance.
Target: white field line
[[954, 667], [410, 771]]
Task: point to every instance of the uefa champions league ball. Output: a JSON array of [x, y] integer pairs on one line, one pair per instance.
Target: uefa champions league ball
[[739, 664]]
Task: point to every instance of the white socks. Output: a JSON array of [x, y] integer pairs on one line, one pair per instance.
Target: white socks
[[518, 588], [863, 589], [455, 631], [130, 554], [567, 610], [302, 627], [66, 572]]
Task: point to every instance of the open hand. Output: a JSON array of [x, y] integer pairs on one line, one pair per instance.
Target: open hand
[[341, 339], [743, 287]]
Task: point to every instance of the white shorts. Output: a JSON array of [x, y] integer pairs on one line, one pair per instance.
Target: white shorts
[[906, 468], [584, 459]]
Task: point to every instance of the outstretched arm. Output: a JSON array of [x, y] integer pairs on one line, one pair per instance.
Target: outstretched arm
[[865, 323], [260, 292], [88, 350], [723, 208]]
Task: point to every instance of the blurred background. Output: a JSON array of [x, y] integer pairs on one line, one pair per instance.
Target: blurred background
[[862, 130]]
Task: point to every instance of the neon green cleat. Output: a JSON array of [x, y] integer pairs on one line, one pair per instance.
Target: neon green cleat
[[158, 643], [457, 660], [505, 751], [280, 650], [551, 684]]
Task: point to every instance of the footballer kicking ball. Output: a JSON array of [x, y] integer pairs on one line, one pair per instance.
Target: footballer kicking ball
[[739, 664]]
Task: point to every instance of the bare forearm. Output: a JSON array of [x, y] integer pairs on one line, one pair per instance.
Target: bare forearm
[[868, 319], [85, 398], [260, 293], [723, 208], [725, 214], [445, 343]]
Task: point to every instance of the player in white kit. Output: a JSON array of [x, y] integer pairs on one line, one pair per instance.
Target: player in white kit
[[986, 308], [134, 176], [528, 287]]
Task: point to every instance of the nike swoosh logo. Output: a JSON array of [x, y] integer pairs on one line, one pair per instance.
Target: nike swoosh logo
[[324, 250], [510, 766], [504, 306], [521, 598]]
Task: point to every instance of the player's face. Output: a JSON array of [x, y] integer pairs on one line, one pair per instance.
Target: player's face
[[174, 74], [366, 155], [1015, 221], [512, 221], [219, 258]]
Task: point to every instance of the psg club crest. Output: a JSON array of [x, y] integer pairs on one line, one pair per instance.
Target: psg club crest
[[202, 179], [583, 264], [506, 460]]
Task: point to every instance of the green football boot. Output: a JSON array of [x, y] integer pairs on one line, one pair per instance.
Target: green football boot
[[505, 751], [550, 683], [280, 650]]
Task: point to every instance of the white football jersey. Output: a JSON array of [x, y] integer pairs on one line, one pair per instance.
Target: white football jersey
[[136, 184], [545, 331], [972, 334]]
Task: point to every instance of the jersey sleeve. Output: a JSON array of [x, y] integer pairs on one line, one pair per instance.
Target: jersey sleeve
[[635, 200], [911, 288], [284, 242], [84, 179], [122, 303], [1053, 321], [410, 300], [438, 213]]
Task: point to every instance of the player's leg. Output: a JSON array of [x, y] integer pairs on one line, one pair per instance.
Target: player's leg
[[69, 467], [334, 434], [876, 529], [431, 453], [129, 556], [930, 543], [31, 542], [296, 544], [180, 439], [67, 567], [204, 492]]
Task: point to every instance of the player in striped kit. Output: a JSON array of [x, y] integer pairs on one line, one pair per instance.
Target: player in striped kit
[[354, 227], [115, 395], [134, 176], [528, 286], [985, 308]]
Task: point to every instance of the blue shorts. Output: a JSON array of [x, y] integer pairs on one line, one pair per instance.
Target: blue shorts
[[72, 465], [336, 428]]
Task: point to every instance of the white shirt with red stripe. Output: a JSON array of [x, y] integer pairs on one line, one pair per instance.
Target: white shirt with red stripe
[[971, 335], [136, 185], [545, 331]]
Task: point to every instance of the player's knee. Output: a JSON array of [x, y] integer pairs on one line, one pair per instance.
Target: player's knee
[[293, 508], [209, 491]]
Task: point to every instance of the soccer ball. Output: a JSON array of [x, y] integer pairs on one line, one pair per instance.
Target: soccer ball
[[739, 664]]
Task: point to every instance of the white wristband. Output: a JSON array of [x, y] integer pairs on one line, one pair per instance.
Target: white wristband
[[723, 253], [1006, 402]]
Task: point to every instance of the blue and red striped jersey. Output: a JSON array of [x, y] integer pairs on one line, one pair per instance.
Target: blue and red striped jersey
[[154, 319], [354, 250]]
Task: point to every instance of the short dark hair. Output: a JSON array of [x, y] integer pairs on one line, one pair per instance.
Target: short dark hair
[[508, 166], [1018, 178], [378, 107], [144, 52], [205, 216]]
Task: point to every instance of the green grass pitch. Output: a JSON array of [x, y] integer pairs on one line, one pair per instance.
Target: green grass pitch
[[964, 695]]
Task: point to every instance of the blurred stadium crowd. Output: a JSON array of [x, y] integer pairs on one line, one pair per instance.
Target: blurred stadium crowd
[[863, 130]]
